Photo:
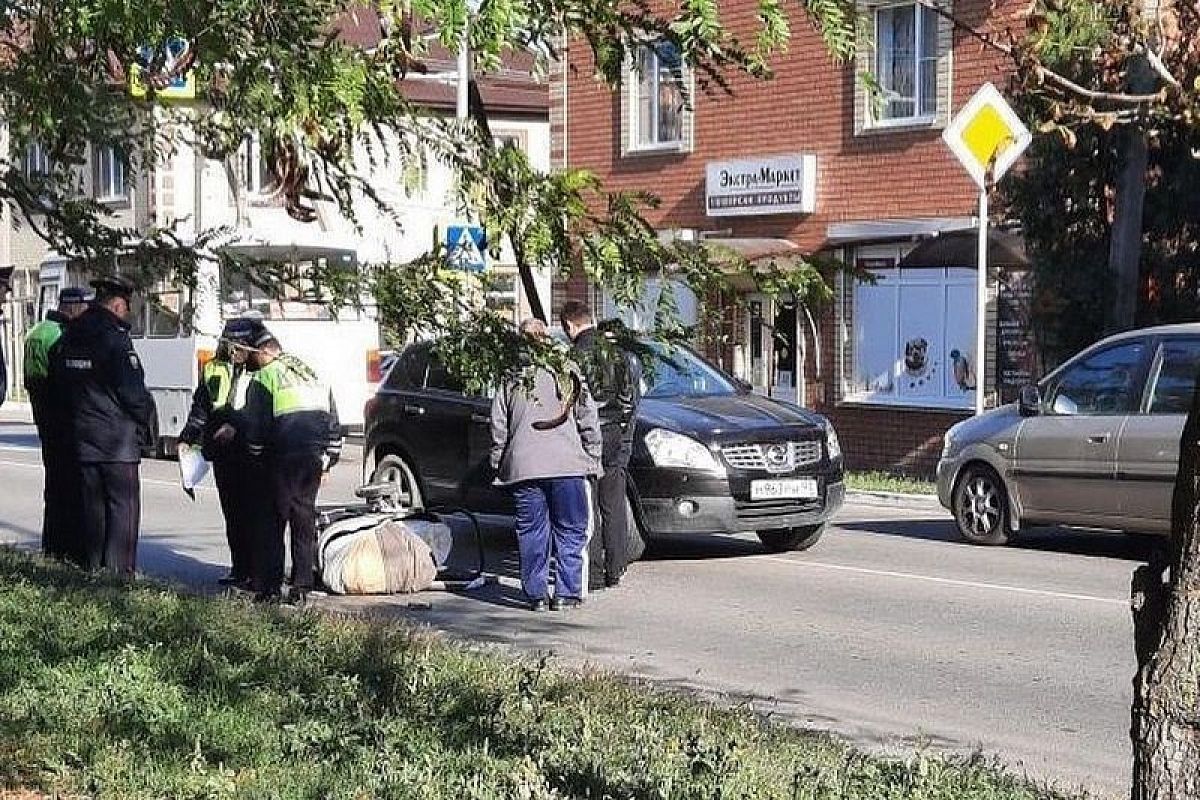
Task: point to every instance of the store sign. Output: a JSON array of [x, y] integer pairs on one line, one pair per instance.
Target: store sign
[[1016, 356], [784, 184]]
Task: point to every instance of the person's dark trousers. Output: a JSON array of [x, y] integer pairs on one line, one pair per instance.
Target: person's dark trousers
[[553, 516], [295, 481], [608, 553], [112, 507], [61, 522], [239, 485]]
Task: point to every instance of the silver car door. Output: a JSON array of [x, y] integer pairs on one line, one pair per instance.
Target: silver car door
[[1065, 464], [1148, 452]]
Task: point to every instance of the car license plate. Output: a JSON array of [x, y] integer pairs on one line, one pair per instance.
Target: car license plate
[[793, 488]]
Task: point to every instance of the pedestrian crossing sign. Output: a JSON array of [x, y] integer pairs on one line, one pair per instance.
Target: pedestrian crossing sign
[[465, 245], [987, 136]]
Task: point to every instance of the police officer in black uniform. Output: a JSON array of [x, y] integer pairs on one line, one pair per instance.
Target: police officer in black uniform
[[95, 367], [216, 424]]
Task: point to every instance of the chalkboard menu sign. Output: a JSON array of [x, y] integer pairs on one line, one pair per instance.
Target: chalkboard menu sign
[[1016, 357]]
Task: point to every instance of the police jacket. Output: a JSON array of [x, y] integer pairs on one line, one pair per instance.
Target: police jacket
[[38, 341], [218, 398], [613, 375], [96, 369], [289, 412]]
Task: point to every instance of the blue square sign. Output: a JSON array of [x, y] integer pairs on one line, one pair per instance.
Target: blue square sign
[[465, 247]]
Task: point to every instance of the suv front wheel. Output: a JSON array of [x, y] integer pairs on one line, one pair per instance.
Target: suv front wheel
[[783, 540]]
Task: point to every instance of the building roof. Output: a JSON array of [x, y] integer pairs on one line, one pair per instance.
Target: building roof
[[511, 89]]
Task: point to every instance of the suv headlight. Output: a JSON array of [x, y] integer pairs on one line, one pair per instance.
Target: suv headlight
[[832, 446], [670, 449]]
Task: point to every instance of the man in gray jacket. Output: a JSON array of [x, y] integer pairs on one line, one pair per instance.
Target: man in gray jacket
[[545, 445]]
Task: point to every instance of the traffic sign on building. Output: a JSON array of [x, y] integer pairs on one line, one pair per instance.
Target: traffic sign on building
[[465, 246]]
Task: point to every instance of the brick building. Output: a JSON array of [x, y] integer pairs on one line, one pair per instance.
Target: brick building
[[858, 176]]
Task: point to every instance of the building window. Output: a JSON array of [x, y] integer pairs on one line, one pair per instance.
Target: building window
[[515, 139], [907, 57], [914, 337], [111, 181], [658, 104], [254, 173], [36, 162], [906, 62]]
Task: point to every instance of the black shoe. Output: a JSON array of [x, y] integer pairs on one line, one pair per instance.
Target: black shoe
[[232, 580], [565, 603], [268, 598], [613, 582], [538, 605], [298, 597]]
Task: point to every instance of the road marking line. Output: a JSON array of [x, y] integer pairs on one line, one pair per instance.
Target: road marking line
[[948, 581], [144, 481]]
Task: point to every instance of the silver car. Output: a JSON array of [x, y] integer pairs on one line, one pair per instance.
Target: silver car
[[1094, 444]]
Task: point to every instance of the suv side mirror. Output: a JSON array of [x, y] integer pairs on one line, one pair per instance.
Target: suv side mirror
[[1030, 401]]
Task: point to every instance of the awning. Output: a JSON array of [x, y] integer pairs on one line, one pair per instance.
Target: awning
[[755, 249], [960, 249]]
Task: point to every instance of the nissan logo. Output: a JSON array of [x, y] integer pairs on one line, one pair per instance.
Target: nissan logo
[[778, 456]]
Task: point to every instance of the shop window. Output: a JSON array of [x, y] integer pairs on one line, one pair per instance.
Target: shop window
[[914, 338], [111, 180], [657, 85], [907, 56], [640, 316], [166, 314]]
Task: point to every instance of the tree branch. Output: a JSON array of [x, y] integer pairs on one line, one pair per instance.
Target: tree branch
[[1093, 94]]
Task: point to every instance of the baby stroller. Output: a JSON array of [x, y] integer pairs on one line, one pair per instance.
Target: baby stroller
[[381, 546]]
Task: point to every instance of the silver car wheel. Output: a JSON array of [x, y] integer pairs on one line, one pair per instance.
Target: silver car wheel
[[981, 505]]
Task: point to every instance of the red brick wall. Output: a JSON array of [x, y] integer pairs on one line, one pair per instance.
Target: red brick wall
[[808, 107], [898, 440]]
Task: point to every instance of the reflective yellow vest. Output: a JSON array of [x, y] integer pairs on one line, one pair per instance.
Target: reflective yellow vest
[[218, 379], [293, 387]]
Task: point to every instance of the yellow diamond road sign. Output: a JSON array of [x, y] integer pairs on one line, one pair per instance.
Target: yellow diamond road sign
[[987, 136]]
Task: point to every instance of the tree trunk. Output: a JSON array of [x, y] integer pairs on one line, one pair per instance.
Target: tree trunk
[[478, 113], [1166, 616], [1125, 244]]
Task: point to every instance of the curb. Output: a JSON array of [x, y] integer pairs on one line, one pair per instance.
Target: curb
[[923, 501]]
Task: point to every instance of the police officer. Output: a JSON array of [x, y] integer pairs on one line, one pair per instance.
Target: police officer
[[292, 424], [215, 424], [614, 377], [95, 367], [60, 517]]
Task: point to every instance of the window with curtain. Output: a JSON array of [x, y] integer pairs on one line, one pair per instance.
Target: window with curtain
[[906, 62], [659, 101]]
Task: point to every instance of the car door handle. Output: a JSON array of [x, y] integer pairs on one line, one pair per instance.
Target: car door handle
[[483, 419], [414, 411], [1098, 438]]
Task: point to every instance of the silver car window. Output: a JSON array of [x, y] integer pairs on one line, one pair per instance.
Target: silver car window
[[1103, 384], [1174, 377]]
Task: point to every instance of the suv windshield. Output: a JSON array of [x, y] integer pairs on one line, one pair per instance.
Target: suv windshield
[[677, 372]]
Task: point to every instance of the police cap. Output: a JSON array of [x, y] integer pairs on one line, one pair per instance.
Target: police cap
[[73, 294], [113, 286], [242, 331]]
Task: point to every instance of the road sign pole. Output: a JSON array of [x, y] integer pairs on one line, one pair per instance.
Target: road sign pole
[[981, 260]]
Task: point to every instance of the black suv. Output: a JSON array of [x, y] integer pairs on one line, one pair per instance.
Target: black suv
[[708, 456]]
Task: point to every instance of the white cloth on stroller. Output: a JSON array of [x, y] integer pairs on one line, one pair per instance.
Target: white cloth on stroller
[[380, 554]]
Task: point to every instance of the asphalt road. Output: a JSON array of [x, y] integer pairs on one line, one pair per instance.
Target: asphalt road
[[888, 632]]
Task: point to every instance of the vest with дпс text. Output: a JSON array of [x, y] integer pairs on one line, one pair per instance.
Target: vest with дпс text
[[38, 341], [293, 387]]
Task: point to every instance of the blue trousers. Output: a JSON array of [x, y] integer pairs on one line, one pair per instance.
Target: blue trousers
[[553, 515]]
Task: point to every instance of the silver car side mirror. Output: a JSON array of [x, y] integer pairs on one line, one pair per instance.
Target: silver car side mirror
[[1065, 406]]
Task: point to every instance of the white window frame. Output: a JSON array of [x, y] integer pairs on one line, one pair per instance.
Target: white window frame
[[111, 179], [878, 105], [250, 167], [633, 81], [36, 161], [898, 279]]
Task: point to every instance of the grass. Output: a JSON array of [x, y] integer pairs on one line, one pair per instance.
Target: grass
[[888, 482], [115, 690]]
